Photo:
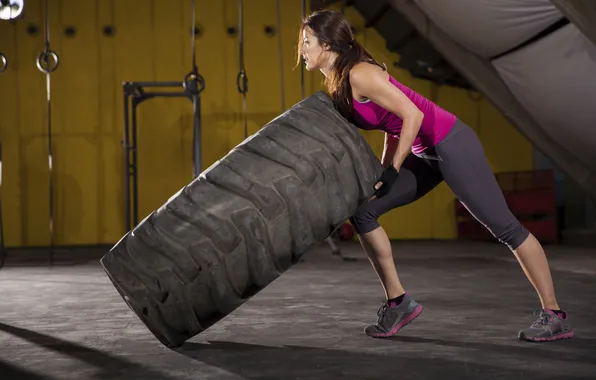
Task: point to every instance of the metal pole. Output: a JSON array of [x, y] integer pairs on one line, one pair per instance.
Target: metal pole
[[125, 143], [197, 162], [50, 165], [133, 96], [43, 64], [134, 166]]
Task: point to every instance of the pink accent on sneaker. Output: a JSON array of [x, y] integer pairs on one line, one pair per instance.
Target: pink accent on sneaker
[[395, 304], [415, 313], [566, 335], [562, 315]]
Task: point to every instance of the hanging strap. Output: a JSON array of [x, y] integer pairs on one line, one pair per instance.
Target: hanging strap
[[193, 40], [194, 83], [47, 63], [43, 60], [242, 78]]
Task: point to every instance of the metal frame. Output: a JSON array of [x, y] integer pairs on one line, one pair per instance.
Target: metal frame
[[134, 94]]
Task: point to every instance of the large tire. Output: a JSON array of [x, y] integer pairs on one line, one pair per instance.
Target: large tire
[[244, 221]]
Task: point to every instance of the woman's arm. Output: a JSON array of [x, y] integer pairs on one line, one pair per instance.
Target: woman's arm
[[370, 81], [389, 150]]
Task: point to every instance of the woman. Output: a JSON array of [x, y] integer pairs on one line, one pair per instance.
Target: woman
[[443, 149]]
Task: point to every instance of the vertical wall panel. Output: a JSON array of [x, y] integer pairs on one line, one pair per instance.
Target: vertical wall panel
[[32, 124], [135, 62], [162, 151], [75, 115], [109, 167], [264, 99], [217, 57], [10, 136]]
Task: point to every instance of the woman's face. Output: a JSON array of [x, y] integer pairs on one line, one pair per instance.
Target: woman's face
[[314, 55]]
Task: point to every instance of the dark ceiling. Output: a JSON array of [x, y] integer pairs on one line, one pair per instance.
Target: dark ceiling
[[415, 53]]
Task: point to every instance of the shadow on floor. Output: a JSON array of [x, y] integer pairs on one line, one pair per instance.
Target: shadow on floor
[[295, 362], [109, 366], [566, 350], [11, 372]]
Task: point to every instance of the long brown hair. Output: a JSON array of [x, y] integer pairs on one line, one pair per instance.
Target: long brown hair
[[332, 29]]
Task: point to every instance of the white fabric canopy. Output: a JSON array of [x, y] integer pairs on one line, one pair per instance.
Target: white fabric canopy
[[490, 27], [555, 80]]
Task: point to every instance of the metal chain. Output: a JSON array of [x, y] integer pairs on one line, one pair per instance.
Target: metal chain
[[44, 65]]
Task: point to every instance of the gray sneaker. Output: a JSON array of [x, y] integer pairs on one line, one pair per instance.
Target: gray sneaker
[[548, 327], [393, 318]]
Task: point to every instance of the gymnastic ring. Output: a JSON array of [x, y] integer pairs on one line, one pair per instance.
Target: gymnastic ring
[[242, 82], [43, 61], [194, 83], [3, 63]]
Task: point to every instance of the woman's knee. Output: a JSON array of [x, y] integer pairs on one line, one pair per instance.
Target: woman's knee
[[512, 234], [364, 221], [403, 191]]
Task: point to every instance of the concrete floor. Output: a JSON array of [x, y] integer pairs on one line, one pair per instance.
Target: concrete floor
[[68, 322]]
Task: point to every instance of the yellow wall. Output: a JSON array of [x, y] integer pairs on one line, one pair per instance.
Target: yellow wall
[[152, 43]]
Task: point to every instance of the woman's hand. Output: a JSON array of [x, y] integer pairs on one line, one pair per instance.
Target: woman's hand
[[386, 182]]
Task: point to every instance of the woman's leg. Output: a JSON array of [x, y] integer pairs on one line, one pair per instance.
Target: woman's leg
[[377, 246], [416, 178], [467, 172], [532, 259]]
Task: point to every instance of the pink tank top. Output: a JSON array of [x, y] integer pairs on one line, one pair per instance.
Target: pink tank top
[[435, 126]]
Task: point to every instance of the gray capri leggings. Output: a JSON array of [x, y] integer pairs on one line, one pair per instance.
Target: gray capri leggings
[[460, 161]]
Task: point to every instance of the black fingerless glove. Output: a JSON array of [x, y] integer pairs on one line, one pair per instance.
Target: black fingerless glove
[[387, 179]]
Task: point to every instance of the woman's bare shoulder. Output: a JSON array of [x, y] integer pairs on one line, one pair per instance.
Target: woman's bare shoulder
[[363, 74]]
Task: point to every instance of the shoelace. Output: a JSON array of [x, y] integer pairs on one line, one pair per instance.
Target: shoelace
[[382, 314], [543, 318]]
